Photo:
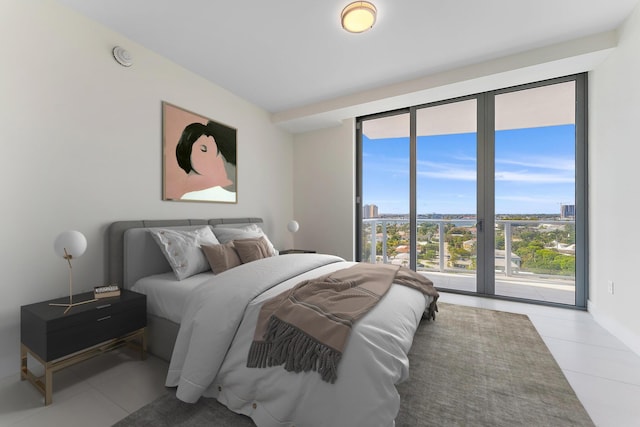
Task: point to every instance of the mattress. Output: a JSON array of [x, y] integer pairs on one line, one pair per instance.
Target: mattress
[[166, 296]]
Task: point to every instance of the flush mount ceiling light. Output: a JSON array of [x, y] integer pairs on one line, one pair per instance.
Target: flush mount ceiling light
[[358, 16]]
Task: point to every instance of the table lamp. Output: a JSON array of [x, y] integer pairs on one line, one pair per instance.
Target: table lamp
[[293, 226], [70, 245]]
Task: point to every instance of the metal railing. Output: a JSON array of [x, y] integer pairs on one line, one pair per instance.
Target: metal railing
[[510, 267]]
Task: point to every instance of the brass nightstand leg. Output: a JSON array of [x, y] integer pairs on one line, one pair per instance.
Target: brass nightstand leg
[[45, 387], [48, 385], [23, 363], [143, 346]]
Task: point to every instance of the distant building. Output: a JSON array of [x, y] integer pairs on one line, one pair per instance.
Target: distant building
[[370, 211], [567, 211], [402, 249], [501, 262]]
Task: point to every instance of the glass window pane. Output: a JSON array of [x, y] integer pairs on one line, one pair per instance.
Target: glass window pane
[[535, 162], [446, 194], [385, 190]]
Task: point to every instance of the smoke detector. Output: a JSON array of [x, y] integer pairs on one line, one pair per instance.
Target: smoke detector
[[122, 56]]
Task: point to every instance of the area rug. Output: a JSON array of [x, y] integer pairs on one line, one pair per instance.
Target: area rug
[[469, 367]]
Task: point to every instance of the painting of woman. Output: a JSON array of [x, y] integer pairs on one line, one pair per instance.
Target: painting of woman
[[199, 158]]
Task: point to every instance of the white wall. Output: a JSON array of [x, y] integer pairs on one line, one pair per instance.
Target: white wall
[[81, 147], [614, 156], [324, 190]]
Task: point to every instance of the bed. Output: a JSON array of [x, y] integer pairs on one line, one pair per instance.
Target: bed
[[204, 327]]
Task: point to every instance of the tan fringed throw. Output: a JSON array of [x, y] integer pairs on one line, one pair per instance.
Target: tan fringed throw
[[307, 327]]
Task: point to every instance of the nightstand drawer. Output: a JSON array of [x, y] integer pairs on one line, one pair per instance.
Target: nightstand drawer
[[50, 334], [94, 311], [87, 334]]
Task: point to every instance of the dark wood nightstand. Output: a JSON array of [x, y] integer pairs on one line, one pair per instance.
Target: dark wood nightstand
[[59, 340], [296, 251]]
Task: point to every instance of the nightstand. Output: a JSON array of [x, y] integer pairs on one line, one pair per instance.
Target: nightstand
[[59, 340], [296, 251]]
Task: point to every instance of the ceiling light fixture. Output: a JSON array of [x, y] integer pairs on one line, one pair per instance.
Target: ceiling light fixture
[[358, 16]]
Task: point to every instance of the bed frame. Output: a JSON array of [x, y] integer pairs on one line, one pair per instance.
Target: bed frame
[[132, 254]]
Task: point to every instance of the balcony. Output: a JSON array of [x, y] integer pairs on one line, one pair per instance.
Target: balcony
[[545, 270]]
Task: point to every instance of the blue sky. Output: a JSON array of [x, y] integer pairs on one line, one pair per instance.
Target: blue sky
[[535, 172]]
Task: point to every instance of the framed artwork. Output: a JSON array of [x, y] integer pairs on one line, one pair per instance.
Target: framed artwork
[[198, 158]]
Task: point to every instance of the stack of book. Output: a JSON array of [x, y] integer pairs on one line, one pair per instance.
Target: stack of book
[[107, 291]]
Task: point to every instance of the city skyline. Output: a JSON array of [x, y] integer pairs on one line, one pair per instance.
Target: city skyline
[[535, 172]]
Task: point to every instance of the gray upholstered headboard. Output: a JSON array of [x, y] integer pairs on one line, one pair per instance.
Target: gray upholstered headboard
[[155, 262]]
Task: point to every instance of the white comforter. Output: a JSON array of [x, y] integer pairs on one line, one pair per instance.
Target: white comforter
[[209, 358]]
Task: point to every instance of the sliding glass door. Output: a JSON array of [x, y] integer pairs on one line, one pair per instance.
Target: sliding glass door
[[535, 193], [386, 164], [484, 194], [446, 193]]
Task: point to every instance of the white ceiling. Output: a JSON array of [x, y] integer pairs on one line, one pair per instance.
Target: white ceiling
[[288, 56]]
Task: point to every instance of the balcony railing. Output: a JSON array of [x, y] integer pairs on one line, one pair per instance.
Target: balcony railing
[[506, 261]]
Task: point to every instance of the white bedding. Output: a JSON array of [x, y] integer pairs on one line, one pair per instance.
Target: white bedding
[[217, 328], [166, 296]]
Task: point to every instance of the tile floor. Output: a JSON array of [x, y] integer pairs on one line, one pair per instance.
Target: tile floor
[[604, 373]]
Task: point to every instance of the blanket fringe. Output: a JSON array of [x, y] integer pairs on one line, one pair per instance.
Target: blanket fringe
[[286, 345], [430, 312]]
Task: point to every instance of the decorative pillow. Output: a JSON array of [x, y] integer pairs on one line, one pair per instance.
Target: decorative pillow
[[221, 257], [182, 250], [252, 249], [227, 233]]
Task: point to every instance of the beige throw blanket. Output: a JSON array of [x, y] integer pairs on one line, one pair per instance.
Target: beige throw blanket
[[307, 327]]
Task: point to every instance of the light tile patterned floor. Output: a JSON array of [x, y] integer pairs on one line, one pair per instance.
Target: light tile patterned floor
[[604, 373]]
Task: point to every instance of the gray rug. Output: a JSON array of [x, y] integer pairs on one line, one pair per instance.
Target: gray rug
[[471, 367]]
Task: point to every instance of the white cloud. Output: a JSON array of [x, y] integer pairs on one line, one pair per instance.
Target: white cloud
[[549, 170], [534, 178], [541, 163]]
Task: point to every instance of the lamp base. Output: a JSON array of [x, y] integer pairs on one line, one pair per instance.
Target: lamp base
[[69, 305]]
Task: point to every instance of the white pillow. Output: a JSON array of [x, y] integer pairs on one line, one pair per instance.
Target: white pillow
[[182, 249], [229, 232]]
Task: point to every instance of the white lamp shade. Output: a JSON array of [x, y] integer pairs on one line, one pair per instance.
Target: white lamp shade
[[293, 226], [73, 241]]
